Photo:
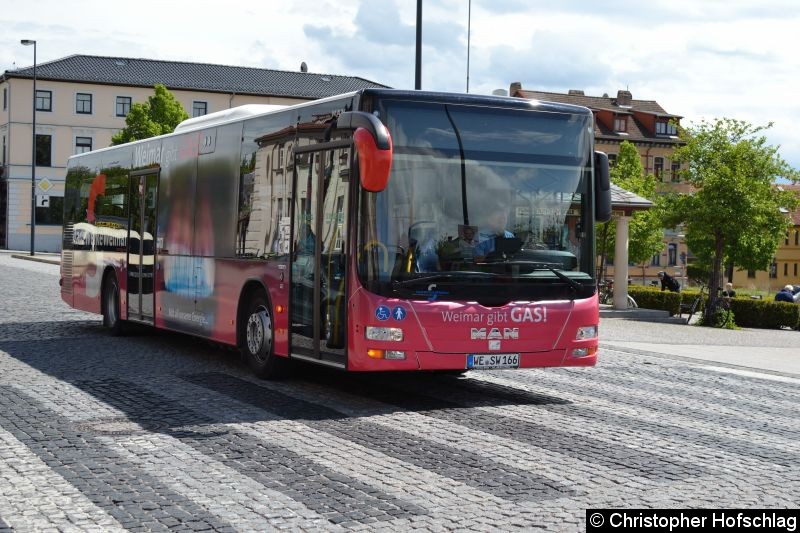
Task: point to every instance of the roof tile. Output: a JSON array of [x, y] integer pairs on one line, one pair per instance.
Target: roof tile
[[636, 131], [193, 76]]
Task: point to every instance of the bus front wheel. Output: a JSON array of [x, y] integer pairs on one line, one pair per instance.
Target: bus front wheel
[[257, 342], [110, 301]]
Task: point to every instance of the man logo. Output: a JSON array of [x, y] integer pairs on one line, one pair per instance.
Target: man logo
[[494, 334]]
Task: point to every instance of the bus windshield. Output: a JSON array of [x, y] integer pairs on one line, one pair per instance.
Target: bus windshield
[[483, 203]]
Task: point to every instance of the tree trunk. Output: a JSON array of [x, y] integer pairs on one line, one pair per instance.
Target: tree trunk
[[714, 285]]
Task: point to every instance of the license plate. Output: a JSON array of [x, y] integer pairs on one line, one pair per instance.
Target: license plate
[[492, 361]]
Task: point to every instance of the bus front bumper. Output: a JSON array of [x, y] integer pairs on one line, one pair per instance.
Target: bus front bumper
[[462, 361]]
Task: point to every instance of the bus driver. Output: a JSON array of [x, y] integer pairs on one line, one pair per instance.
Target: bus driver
[[496, 228]]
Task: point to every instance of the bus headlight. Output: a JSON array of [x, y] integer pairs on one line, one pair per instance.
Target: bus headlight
[[586, 332], [383, 334]]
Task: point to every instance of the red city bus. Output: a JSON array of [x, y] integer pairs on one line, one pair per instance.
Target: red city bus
[[373, 231]]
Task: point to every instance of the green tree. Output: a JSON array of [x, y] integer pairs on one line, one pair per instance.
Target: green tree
[[735, 214], [645, 232], [159, 115]]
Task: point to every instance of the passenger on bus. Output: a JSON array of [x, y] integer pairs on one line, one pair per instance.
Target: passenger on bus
[[307, 240], [427, 254], [467, 241]]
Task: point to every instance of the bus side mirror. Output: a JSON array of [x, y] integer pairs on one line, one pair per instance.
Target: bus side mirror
[[373, 146], [602, 188], [374, 164]]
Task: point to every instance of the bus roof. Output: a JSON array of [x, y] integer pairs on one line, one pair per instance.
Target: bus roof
[[227, 115], [244, 112], [479, 99]]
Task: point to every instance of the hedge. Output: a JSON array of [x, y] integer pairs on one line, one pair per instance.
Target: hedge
[[654, 298], [765, 313], [748, 313]]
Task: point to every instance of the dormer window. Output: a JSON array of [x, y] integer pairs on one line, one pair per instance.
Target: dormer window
[[665, 128], [620, 124]]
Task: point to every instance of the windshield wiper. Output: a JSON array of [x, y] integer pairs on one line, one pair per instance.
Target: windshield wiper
[[443, 276], [571, 282]]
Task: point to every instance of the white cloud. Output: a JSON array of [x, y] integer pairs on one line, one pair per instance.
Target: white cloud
[[697, 59]]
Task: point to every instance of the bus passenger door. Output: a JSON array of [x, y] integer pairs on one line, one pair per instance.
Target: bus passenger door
[[141, 248], [319, 254]]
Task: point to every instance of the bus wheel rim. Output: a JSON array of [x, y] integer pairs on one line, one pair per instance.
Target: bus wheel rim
[[259, 334]]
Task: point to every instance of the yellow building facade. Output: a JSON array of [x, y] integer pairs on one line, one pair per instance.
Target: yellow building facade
[[785, 267]]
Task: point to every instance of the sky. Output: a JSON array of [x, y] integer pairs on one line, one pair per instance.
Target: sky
[[700, 59]]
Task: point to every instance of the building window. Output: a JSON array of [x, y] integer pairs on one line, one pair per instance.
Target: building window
[[620, 124], [751, 274], [5, 98], [44, 145], [123, 106], [44, 100], [51, 214], [675, 171], [83, 103], [658, 167], [199, 109], [785, 269], [665, 128], [672, 254], [773, 270], [612, 160], [83, 145], [656, 260], [797, 237], [795, 270], [4, 151]]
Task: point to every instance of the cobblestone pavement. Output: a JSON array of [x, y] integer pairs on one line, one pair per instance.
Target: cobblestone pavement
[[156, 431]]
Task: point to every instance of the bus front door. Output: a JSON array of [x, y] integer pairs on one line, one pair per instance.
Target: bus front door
[[318, 259], [141, 248]]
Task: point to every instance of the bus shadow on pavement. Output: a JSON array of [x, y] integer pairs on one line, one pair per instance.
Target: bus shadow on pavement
[[127, 372], [428, 390]]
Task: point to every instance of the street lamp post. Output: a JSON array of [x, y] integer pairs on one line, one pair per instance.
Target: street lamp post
[[418, 55], [28, 42]]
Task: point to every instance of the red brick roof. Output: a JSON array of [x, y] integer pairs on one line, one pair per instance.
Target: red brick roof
[[796, 213], [636, 112], [597, 102]]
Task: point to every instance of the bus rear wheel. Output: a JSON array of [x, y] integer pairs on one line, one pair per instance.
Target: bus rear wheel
[[110, 305], [257, 342]]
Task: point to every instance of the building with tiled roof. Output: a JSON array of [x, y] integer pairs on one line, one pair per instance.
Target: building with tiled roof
[[653, 131], [82, 100], [622, 118], [184, 76]]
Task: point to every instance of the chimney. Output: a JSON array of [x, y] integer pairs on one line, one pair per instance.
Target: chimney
[[624, 98], [303, 67], [515, 87], [576, 92]]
